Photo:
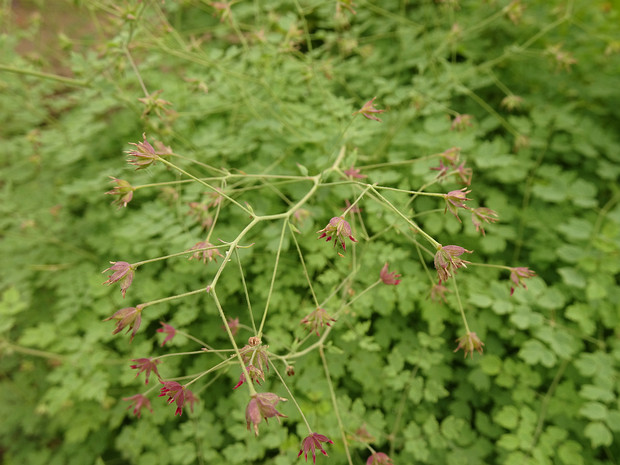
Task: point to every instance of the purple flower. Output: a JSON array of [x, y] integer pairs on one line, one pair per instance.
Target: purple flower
[[379, 458], [179, 394], [130, 316], [210, 254], [317, 319], [147, 365], [480, 214], [138, 402], [447, 261], [368, 109], [339, 228], [169, 330], [262, 405], [518, 275], [123, 190], [455, 200], [311, 443], [389, 278], [123, 272]]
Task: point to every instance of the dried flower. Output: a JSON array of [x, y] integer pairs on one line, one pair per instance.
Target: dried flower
[[447, 261], [138, 402], [123, 190], [354, 173], [262, 405], [368, 109], [438, 293], [379, 458], [169, 330], [147, 365], [179, 394], [123, 272], [317, 319], [518, 275], [455, 200], [469, 343], [389, 278], [338, 227], [461, 122], [311, 443], [206, 252], [480, 214], [130, 316]]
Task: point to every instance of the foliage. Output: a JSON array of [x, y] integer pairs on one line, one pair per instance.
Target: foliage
[[265, 117]]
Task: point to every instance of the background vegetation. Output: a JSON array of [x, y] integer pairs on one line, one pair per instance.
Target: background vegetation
[[248, 91]]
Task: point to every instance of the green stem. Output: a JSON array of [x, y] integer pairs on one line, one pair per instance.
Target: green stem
[[303, 417], [42, 75]]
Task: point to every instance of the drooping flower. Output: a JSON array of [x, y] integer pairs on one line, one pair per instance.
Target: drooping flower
[[123, 272], [153, 103], [354, 173], [379, 458], [339, 228], [512, 102], [317, 319], [123, 190], [461, 122], [233, 324], [262, 405], [255, 373], [138, 402], [447, 261], [368, 109], [169, 330], [438, 293], [206, 252], [447, 160], [389, 278], [469, 343], [518, 275], [179, 394], [464, 173], [455, 200], [147, 365], [130, 316], [480, 214], [311, 443]]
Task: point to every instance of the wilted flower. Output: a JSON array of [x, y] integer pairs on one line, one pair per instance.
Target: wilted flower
[[338, 227], [206, 252], [147, 365], [123, 190], [169, 330], [379, 458], [438, 293], [311, 443], [447, 261], [123, 272], [460, 122], [469, 343], [317, 319], [368, 109], [455, 200], [389, 278], [179, 394], [139, 401], [262, 405], [480, 214], [518, 275], [130, 316], [354, 173]]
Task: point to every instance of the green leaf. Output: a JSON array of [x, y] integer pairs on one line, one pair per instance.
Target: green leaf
[[598, 434], [570, 452], [508, 417], [534, 352], [593, 411]]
